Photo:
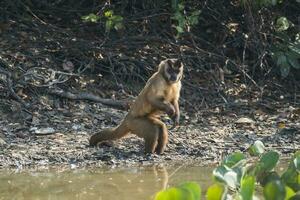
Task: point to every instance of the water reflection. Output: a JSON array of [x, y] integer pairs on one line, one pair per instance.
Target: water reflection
[[103, 184]]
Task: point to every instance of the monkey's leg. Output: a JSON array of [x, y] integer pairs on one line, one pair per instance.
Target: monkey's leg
[[147, 129], [162, 136]]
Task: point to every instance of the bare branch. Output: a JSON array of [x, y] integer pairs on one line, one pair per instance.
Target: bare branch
[[122, 105]]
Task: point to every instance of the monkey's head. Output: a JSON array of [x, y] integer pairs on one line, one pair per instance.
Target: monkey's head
[[172, 70]]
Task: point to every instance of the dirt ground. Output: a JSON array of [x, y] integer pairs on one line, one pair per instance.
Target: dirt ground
[[59, 137], [221, 112]]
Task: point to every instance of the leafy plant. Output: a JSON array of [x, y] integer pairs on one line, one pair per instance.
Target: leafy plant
[[186, 191], [91, 18], [111, 20], [184, 21], [286, 52], [240, 176]]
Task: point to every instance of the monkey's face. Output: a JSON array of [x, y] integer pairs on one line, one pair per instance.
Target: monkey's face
[[173, 70]]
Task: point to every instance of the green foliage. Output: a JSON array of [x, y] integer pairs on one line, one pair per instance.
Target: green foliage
[[239, 176], [291, 177], [91, 18], [111, 20], [274, 190], [257, 148], [233, 159], [268, 161], [184, 21], [286, 51], [282, 24], [186, 191], [286, 55], [215, 192], [247, 187]]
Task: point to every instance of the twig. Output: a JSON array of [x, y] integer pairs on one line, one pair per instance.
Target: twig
[[118, 104]]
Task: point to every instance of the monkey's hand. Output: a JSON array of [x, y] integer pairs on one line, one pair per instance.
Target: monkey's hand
[[170, 110], [175, 120], [174, 115]]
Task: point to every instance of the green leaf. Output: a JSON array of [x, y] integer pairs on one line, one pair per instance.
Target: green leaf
[[290, 177], [215, 192], [116, 18], [233, 159], [289, 192], [295, 48], [108, 25], [186, 191], [193, 188], [179, 29], [247, 187], [274, 190], [296, 162], [282, 24], [177, 16], [268, 160], [284, 65], [281, 59], [118, 26], [218, 173], [193, 19], [231, 179], [196, 13], [172, 193], [108, 13], [257, 148], [266, 177], [228, 176], [85, 17], [90, 18], [285, 70], [293, 60], [180, 6]]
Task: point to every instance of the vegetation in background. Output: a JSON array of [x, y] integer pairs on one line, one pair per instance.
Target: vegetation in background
[[184, 21], [111, 20], [245, 177], [284, 48], [222, 43]]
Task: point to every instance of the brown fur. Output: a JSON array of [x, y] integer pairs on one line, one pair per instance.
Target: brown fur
[[160, 95]]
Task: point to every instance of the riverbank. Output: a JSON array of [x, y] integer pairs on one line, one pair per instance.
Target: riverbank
[[60, 137]]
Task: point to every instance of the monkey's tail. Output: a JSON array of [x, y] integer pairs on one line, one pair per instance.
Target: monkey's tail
[[109, 134]]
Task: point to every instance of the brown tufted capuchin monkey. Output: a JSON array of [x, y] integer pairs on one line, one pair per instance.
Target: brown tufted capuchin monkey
[[160, 95]]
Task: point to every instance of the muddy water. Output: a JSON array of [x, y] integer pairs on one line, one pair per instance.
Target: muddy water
[[134, 183]]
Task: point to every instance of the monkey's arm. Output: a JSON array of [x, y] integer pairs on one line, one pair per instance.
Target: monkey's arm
[[176, 116], [160, 104]]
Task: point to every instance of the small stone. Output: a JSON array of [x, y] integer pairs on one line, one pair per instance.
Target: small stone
[[44, 131], [76, 127], [245, 120]]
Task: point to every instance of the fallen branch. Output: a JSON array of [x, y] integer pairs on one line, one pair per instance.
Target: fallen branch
[[118, 104]]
